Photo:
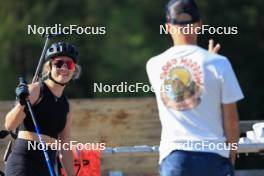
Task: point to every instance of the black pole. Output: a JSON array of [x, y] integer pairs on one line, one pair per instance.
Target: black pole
[[35, 78], [42, 57]]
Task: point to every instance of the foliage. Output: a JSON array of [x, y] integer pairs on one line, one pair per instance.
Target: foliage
[[132, 37]]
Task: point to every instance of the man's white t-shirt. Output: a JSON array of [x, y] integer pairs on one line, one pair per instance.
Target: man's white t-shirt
[[190, 85]]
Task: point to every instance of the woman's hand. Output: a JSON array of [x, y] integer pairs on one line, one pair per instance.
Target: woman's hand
[[22, 93], [17, 114]]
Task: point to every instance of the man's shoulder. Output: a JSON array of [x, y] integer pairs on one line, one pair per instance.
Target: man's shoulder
[[164, 54], [215, 58], [208, 57], [155, 59], [212, 58]]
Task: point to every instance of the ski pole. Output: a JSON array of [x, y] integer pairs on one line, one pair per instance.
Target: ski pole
[[22, 81], [42, 57]]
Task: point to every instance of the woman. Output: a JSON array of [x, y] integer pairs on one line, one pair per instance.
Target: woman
[[52, 113]]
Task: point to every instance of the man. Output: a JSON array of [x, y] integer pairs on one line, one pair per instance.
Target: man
[[196, 92]]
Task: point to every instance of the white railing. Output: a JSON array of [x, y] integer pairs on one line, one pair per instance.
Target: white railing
[[242, 148]]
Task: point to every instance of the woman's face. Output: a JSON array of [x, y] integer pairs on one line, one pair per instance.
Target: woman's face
[[62, 69]]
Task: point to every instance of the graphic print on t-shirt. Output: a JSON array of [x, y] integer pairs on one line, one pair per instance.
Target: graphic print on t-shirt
[[182, 84]]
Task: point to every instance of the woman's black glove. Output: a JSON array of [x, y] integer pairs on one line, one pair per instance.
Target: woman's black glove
[[22, 93]]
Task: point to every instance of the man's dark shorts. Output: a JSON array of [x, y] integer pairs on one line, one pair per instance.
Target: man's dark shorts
[[189, 163]]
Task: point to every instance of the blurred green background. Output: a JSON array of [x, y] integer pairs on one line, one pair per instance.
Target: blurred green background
[[132, 37]]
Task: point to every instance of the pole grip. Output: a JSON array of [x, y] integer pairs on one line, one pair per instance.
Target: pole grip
[[22, 80]]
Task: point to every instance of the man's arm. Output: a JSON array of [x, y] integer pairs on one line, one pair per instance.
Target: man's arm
[[231, 126]]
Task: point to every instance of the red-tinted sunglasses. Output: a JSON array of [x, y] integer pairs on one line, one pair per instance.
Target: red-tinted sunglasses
[[59, 63]]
